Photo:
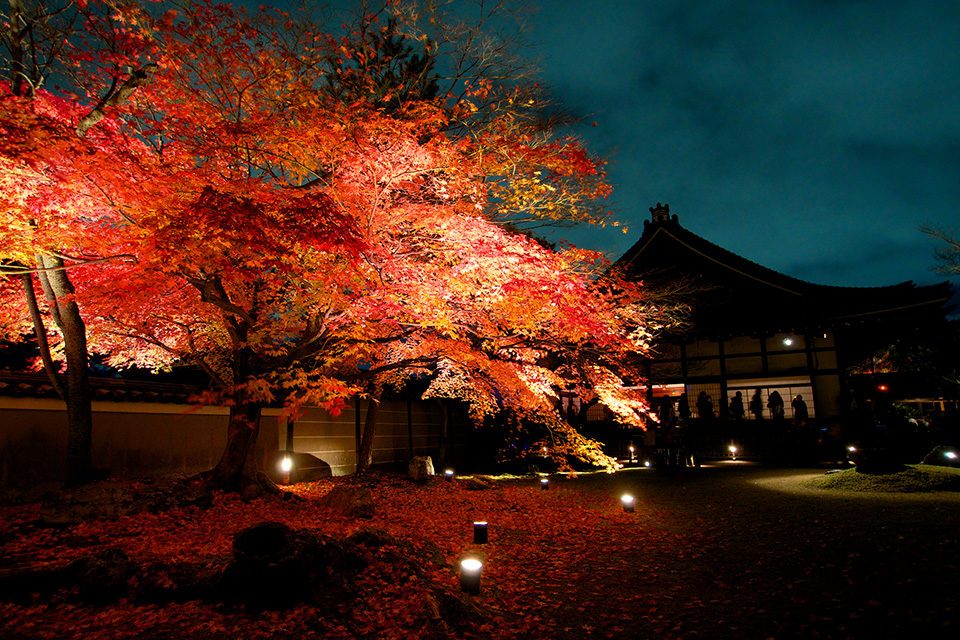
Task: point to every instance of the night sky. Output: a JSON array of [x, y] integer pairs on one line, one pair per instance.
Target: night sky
[[813, 137]]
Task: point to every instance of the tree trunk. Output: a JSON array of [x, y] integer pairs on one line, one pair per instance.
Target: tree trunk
[[59, 292], [444, 426], [239, 467], [365, 455]]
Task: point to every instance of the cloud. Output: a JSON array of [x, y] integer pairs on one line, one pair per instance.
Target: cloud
[[834, 124]]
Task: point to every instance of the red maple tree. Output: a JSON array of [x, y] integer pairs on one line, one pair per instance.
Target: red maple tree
[[301, 238]]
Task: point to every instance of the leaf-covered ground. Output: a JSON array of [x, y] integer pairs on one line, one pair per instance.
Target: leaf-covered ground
[[720, 553]]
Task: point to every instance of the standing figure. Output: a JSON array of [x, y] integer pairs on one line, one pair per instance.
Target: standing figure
[[704, 406], [666, 415], [736, 406], [775, 404], [756, 405], [800, 413], [683, 407]]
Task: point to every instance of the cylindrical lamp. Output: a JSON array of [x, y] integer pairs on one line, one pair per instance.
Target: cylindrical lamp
[[448, 475], [544, 483], [470, 569], [286, 466], [629, 504], [479, 533]]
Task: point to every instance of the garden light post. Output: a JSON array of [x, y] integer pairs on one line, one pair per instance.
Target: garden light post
[[480, 532], [470, 569]]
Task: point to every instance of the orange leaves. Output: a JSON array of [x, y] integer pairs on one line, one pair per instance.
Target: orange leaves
[[280, 207]]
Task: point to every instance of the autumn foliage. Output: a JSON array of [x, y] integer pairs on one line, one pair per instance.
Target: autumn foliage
[[256, 206]]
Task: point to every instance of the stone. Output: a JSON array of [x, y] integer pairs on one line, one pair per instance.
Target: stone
[[103, 577], [276, 567], [351, 501], [421, 468]]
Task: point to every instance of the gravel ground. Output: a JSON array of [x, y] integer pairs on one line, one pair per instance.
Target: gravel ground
[[768, 558]]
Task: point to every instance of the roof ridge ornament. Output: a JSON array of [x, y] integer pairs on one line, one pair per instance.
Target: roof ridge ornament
[[661, 212]]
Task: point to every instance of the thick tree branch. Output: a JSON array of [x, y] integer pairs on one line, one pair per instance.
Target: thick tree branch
[[115, 96]]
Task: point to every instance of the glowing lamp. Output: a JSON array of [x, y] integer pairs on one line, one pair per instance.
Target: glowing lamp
[[787, 342], [646, 463], [448, 475], [544, 451], [851, 449], [470, 569], [479, 533], [286, 466], [883, 388], [544, 483], [950, 455], [629, 504]]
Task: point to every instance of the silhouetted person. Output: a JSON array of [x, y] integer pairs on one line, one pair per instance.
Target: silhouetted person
[[666, 414], [775, 404], [683, 407], [756, 405], [704, 406], [736, 406], [800, 413]]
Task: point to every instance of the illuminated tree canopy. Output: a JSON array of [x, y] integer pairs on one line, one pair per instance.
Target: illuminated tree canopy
[[267, 204]]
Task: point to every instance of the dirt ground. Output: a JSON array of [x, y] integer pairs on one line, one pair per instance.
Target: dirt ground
[[732, 551]]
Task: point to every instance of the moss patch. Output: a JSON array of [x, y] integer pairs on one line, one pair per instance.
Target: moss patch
[[913, 479]]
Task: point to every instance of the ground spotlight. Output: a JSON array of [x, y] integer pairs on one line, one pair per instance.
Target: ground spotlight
[[544, 483], [470, 569], [480, 532], [629, 504]]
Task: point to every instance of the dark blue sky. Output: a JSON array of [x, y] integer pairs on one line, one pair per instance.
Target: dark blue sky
[[813, 137]]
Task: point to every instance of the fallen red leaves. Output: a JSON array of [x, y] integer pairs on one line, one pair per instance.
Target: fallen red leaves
[[553, 567]]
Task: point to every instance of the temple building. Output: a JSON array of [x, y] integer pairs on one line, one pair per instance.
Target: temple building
[[751, 328]]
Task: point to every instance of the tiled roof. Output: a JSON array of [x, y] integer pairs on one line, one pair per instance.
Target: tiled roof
[[25, 385], [755, 294]]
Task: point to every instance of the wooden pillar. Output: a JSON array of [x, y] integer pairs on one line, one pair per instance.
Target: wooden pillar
[[410, 427], [289, 442], [722, 406], [356, 413], [811, 369], [765, 364]]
